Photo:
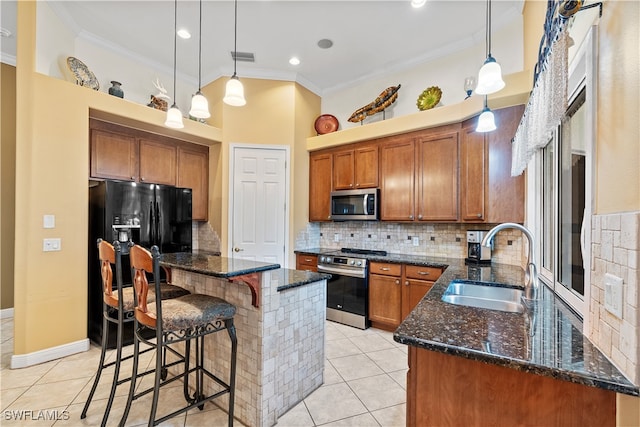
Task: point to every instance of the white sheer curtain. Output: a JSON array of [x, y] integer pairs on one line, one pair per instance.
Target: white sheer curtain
[[546, 107]]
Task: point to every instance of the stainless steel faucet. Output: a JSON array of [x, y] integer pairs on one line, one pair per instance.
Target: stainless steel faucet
[[531, 273]]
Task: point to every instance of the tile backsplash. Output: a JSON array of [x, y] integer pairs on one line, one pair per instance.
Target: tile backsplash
[[438, 240]]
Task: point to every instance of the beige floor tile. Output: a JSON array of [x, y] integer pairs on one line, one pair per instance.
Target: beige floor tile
[[378, 392], [364, 420], [340, 348], [394, 416], [67, 369], [49, 395], [9, 395], [210, 416], [33, 417], [333, 402], [298, 416], [332, 333], [371, 342], [354, 367], [350, 331], [6, 330], [11, 378], [390, 360], [331, 376], [400, 377]]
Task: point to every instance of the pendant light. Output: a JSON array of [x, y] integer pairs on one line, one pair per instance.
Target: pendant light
[[486, 121], [174, 116], [234, 93], [490, 75], [199, 104]]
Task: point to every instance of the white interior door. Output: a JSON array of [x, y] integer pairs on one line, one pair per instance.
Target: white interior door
[[258, 193]]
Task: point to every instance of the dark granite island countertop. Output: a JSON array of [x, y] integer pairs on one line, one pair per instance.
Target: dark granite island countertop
[[546, 339], [213, 265]]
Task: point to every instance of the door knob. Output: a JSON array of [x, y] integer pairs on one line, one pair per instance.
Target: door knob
[[237, 249]]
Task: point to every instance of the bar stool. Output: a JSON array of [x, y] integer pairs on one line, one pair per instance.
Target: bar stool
[[120, 299], [190, 317]]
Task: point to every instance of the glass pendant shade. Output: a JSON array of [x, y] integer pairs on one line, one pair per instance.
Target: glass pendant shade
[[486, 121], [490, 77], [199, 106], [234, 94], [174, 118]]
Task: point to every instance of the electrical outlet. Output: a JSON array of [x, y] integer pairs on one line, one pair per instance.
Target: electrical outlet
[[613, 294], [415, 240], [336, 237], [51, 245]]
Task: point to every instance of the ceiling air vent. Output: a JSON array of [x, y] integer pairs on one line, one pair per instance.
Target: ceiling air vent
[[243, 56]]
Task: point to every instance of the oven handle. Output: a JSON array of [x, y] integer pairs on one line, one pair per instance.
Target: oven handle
[[350, 273]]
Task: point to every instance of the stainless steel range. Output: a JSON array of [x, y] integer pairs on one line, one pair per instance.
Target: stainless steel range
[[348, 288]]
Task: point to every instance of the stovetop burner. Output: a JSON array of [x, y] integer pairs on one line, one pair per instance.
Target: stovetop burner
[[363, 251]]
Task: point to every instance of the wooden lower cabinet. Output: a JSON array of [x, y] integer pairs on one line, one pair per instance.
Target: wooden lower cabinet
[[446, 390], [385, 295], [307, 262]]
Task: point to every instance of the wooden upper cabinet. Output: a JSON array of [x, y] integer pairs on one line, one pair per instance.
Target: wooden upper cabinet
[[355, 168], [113, 155], [343, 170], [397, 182], [158, 162], [320, 186], [505, 201], [473, 173], [193, 172], [437, 177]]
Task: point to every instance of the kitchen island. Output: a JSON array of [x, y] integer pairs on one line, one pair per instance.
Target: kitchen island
[[488, 367], [280, 324]]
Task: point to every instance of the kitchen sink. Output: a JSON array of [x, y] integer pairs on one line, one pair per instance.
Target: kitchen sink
[[484, 296]]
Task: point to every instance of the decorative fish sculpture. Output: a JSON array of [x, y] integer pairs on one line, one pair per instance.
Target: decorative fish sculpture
[[385, 99]]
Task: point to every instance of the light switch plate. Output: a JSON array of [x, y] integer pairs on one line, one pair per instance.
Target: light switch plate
[[613, 294], [51, 245], [48, 221]]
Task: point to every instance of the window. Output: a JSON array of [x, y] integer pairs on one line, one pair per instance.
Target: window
[[563, 191]]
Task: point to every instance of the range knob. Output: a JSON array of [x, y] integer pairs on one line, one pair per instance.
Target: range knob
[[359, 263], [322, 259], [352, 262]]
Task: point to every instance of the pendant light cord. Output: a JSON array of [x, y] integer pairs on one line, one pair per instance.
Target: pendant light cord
[[235, 39], [175, 45], [200, 51], [488, 22]]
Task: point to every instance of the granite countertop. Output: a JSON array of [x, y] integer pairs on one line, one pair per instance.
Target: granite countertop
[[546, 339], [288, 279], [213, 265]]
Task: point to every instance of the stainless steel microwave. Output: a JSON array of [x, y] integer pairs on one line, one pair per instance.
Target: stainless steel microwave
[[355, 205]]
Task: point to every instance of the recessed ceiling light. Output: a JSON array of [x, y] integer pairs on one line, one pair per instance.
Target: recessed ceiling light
[[294, 61], [418, 3], [184, 33], [325, 44]]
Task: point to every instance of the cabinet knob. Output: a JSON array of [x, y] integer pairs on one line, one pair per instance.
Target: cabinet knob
[[350, 185], [410, 216], [133, 178], [419, 216], [329, 217], [141, 178], [397, 281], [406, 283], [479, 215], [357, 185]]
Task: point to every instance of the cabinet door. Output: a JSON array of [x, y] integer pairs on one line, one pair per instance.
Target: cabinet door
[[505, 194], [437, 176], [320, 187], [113, 156], [307, 262], [397, 190], [412, 292], [193, 172], [343, 172], [473, 168], [366, 166], [385, 296], [157, 162]]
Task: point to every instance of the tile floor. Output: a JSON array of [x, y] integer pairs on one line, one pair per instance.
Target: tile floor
[[364, 385]]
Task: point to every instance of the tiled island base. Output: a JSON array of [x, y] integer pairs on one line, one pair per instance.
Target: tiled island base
[[280, 343]]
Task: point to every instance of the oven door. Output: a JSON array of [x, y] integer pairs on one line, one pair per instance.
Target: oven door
[[346, 290]]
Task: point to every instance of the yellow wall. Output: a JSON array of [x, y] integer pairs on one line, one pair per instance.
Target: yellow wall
[[618, 132], [7, 182]]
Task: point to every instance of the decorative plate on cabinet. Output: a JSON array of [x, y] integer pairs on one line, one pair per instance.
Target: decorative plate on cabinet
[[84, 76], [326, 123], [429, 98]]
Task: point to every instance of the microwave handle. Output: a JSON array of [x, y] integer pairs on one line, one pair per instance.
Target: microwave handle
[[364, 204]]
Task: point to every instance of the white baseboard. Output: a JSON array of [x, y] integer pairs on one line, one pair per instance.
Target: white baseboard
[[6, 313], [46, 355]]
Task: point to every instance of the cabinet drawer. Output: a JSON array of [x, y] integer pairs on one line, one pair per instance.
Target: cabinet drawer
[[422, 273], [386, 269], [306, 262]]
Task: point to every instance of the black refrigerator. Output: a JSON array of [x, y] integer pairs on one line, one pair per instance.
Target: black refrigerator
[[146, 214]]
